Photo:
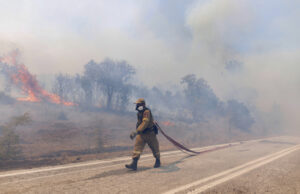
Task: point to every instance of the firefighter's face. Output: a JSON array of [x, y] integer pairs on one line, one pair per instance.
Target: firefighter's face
[[139, 107]]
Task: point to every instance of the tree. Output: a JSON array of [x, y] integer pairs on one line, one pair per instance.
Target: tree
[[200, 98], [87, 87], [123, 96], [239, 115], [112, 78], [65, 87]]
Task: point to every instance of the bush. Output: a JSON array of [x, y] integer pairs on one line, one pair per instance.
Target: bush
[[99, 139], [240, 116], [62, 116], [9, 140], [9, 144]]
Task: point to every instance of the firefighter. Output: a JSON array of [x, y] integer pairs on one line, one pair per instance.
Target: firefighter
[[145, 132]]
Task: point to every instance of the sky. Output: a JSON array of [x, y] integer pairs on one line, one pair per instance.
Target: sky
[[165, 40]]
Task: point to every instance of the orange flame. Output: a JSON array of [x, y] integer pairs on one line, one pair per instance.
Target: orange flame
[[168, 123], [29, 84]]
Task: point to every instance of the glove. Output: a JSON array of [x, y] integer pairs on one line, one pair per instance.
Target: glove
[[133, 134]]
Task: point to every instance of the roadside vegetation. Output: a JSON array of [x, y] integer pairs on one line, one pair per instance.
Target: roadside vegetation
[[101, 115], [9, 139]]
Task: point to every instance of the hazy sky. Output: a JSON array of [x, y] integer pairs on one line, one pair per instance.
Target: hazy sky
[[166, 40]]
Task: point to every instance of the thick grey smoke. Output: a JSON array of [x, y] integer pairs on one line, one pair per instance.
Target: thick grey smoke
[[259, 36], [245, 50]]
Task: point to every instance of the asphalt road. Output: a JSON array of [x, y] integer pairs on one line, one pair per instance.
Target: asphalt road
[[259, 166]]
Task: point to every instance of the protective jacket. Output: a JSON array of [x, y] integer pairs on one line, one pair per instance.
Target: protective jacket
[[145, 122]]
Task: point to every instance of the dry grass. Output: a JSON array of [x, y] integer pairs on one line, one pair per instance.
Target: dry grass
[[48, 140]]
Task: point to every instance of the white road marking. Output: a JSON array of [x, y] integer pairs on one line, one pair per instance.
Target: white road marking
[[232, 173], [74, 172], [243, 171], [120, 159]]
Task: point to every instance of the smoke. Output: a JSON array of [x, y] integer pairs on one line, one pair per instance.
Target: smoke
[[275, 77], [245, 50], [259, 37], [218, 27]]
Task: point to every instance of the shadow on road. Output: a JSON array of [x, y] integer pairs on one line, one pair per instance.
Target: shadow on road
[[172, 167], [163, 169], [118, 172]]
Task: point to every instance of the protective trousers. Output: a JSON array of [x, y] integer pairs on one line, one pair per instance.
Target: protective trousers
[[140, 142]]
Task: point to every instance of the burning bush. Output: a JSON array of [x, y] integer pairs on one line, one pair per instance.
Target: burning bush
[[18, 75]]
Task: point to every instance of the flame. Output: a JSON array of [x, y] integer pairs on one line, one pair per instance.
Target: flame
[[98, 105], [21, 77], [168, 123]]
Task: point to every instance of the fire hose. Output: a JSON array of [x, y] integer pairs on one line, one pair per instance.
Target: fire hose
[[185, 149]]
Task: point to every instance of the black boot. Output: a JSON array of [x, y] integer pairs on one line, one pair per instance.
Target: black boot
[[157, 163], [133, 165]]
